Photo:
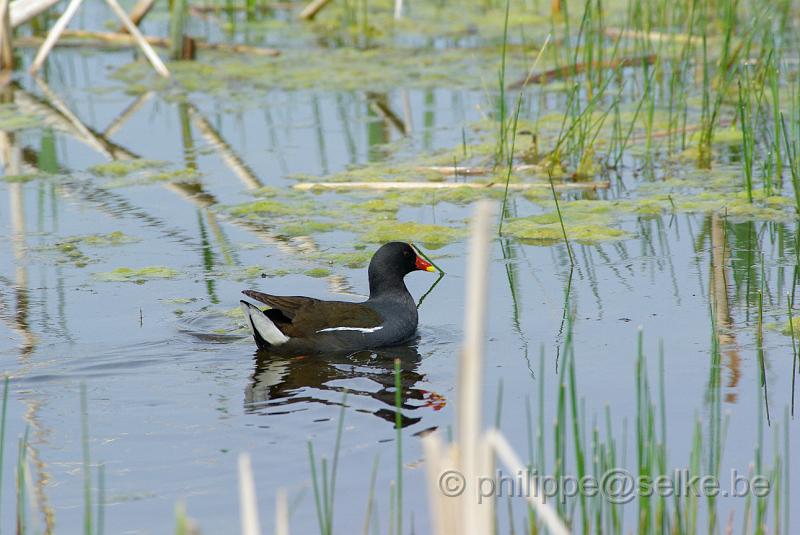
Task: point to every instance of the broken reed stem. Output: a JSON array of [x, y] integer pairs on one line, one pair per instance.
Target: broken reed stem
[[139, 11], [573, 70], [147, 50]]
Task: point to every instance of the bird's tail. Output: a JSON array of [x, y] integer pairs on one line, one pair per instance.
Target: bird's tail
[[264, 330]]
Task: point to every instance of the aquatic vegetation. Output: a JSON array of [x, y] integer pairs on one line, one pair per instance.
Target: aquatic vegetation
[[307, 227], [103, 240], [430, 236], [352, 260], [340, 69], [137, 275], [685, 116], [69, 249], [12, 118], [121, 168], [547, 230], [318, 273], [262, 208]]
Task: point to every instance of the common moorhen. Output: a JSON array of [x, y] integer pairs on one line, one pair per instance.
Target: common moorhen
[[297, 324]]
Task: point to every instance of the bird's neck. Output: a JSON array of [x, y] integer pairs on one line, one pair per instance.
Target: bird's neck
[[385, 285]]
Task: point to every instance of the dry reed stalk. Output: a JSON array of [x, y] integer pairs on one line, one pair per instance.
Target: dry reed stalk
[[281, 513], [471, 459], [61, 24], [311, 10], [469, 376], [6, 31], [382, 186], [21, 11], [515, 466], [248, 506], [54, 34], [139, 11], [147, 50]]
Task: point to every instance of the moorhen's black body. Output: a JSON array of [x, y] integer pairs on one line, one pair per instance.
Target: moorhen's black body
[[299, 324]]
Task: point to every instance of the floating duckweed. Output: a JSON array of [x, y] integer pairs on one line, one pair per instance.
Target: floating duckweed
[[68, 249], [340, 69], [318, 272], [531, 231], [138, 276], [12, 118], [71, 253], [265, 207], [185, 174], [354, 260], [120, 168], [304, 228], [430, 236], [787, 329], [104, 240]]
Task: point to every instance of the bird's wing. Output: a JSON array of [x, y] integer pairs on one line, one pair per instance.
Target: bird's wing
[[289, 305], [334, 316], [299, 316]]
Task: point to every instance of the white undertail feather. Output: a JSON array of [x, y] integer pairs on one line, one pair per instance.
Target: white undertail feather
[[260, 322]]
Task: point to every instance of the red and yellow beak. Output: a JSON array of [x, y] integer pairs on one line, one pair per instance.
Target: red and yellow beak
[[422, 264]]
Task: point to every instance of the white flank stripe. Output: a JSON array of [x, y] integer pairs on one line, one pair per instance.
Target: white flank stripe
[[359, 329]]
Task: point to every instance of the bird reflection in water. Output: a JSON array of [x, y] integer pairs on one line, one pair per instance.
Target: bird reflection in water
[[285, 381]]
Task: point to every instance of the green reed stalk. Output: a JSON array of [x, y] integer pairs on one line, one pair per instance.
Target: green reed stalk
[[3, 436], [794, 162], [87, 467], [22, 497], [794, 348], [316, 487], [787, 471], [498, 411], [509, 166], [398, 423], [371, 496], [580, 461], [561, 220], [501, 141], [747, 138], [776, 113], [101, 499], [177, 27], [181, 521]]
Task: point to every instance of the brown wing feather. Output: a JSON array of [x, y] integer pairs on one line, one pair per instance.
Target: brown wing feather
[[320, 315], [288, 305], [307, 316]]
